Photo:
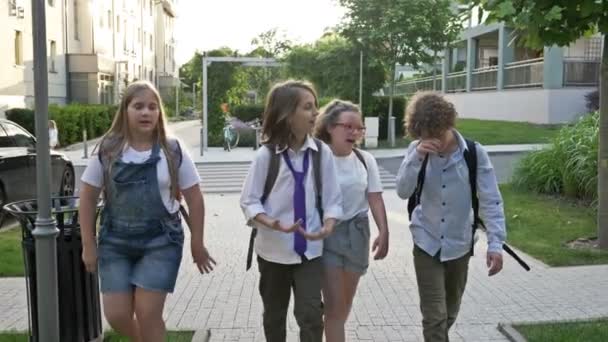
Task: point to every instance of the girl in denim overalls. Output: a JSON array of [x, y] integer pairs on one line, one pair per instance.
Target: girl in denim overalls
[[143, 174]]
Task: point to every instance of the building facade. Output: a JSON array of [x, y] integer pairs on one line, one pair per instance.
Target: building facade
[[488, 74], [96, 48]]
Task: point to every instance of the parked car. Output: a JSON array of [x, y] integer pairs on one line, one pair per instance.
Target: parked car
[[18, 166]]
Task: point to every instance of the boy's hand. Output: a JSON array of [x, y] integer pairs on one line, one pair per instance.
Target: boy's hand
[[494, 262], [426, 146]]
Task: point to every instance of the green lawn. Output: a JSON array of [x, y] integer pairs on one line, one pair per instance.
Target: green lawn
[[541, 225], [591, 331], [13, 337], [172, 336], [490, 132], [11, 256]]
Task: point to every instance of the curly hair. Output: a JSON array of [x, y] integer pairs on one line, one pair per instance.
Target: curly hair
[[428, 114], [329, 116]]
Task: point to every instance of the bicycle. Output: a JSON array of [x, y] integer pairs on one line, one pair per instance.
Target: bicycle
[[231, 136], [232, 129]]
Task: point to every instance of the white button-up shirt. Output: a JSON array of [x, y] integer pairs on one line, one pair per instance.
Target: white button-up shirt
[[443, 219], [276, 246]]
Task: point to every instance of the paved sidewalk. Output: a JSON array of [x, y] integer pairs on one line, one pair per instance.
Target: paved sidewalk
[[386, 305]]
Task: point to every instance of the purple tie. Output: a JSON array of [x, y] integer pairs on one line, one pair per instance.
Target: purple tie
[[299, 201]]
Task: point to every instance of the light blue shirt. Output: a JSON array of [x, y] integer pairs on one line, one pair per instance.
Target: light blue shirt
[[443, 219]]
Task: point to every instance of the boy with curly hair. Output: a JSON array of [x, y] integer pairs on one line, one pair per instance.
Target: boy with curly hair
[[435, 174]]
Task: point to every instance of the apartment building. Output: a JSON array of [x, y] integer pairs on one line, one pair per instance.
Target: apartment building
[[96, 48]]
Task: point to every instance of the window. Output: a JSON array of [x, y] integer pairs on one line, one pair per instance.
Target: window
[[124, 41], [139, 35], [18, 48], [110, 20], [12, 8], [53, 56], [76, 15], [151, 43], [151, 9], [5, 141], [118, 23], [19, 136]]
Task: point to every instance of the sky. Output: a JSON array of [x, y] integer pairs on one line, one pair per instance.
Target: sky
[[209, 24]]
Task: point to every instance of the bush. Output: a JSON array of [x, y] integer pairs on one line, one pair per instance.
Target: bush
[[379, 107], [70, 119], [23, 117], [593, 100], [569, 166], [248, 112]]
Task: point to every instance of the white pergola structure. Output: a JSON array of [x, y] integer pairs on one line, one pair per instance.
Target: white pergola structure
[[246, 61]]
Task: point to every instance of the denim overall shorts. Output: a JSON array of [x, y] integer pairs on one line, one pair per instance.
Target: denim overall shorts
[[140, 242]]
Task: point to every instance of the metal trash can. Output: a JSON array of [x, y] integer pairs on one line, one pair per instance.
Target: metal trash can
[[79, 305]]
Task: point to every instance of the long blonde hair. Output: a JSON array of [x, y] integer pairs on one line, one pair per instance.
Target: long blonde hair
[[113, 142]]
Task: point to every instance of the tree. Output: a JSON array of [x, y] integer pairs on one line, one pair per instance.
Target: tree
[[397, 31], [561, 22], [332, 64], [226, 85], [273, 42]]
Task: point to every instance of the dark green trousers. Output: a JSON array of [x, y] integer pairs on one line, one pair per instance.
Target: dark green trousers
[[440, 286], [276, 283]]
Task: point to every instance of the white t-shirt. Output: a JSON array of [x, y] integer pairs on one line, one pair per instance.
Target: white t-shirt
[[356, 182], [187, 173]]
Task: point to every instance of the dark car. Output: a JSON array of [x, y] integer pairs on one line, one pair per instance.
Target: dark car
[[18, 166]]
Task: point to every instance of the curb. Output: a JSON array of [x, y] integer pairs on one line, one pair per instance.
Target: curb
[[202, 335], [511, 333]]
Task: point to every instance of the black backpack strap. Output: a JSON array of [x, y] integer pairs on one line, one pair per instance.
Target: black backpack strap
[[176, 149], [316, 165], [273, 172], [360, 157], [470, 157], [271, 177], [414, 199]]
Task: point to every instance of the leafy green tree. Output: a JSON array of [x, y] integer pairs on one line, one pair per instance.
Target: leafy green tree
[[398, 31], [561, 22], [332, 64], [226, 84]]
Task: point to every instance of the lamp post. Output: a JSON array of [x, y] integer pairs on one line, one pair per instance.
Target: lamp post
[[45, 232]]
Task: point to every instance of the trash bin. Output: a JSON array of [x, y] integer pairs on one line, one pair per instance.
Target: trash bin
[[79, 305]]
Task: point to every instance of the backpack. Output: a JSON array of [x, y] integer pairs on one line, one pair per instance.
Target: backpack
[[470, 157], [271, 177]]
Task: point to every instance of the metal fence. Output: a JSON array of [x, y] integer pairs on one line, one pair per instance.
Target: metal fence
[[523, 74], [580, 72], [484, 78]]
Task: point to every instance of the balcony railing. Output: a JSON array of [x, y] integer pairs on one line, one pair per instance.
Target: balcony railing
[[484, 78], [522, 74], [456, 82], [419, 84], [579, 72]]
